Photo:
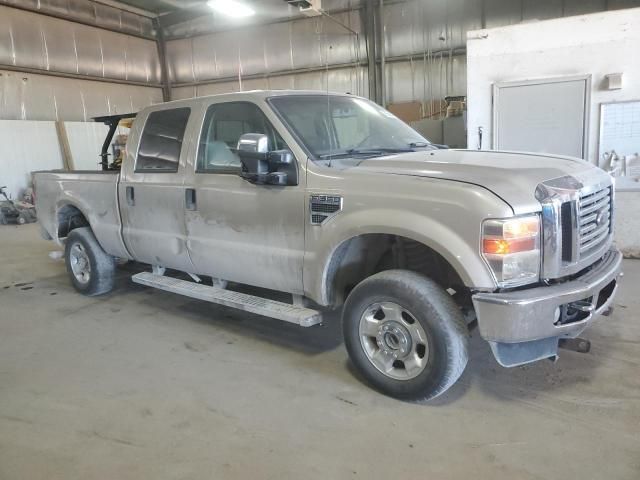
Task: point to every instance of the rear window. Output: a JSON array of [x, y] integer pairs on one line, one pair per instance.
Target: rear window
[[161, 141]]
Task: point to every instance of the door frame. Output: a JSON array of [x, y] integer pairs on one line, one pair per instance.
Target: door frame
[[300, 157], [497, 86]]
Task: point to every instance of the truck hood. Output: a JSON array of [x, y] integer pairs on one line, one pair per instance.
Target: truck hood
[[513, 176]]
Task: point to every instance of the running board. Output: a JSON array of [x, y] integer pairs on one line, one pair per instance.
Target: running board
[[305, 317]]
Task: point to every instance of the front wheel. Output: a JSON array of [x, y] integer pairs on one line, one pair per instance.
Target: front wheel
[[90, 268], [405, 335]]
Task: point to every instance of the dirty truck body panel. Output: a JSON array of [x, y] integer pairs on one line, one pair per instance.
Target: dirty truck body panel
[[181, 201], [243, 232]]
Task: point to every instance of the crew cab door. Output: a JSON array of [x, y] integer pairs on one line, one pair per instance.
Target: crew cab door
[[240, 231], [151, 192]]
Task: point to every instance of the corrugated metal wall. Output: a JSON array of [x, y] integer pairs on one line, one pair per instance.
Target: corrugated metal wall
[[37, 51], [424, 39], [352, 80], [303, 43], [91, 13], [25, 96]]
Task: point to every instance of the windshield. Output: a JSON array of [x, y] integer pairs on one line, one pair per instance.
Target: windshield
[[332, 126]]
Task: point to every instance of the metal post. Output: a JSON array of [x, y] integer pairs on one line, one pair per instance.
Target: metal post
[[383, 71], [162, 58], [370, 43]]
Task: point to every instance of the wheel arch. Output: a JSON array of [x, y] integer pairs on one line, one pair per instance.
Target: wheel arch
[[360, 256], [69, 217], [357, 255]]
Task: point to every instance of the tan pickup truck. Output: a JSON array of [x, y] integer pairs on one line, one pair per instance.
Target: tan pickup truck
[[334, 201]]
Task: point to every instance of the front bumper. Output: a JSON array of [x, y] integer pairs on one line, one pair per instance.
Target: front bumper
[[522, 326]]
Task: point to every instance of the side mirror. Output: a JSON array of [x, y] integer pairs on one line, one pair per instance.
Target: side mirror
[[260, 166], [253, 142]]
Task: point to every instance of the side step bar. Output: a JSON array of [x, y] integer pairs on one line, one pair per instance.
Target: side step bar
[[305, 317]]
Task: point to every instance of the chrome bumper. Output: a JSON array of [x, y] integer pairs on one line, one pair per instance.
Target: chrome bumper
[[522, 326]]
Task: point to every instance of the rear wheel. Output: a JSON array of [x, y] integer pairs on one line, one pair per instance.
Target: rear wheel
[[90, 268], [405, 335]]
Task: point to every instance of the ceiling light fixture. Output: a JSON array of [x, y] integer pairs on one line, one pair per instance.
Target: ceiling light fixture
[[231, 8]]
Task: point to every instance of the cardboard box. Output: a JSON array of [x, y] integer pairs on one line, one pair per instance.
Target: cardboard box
[[407, 112]]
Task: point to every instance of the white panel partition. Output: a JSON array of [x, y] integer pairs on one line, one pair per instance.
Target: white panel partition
[[85, 141], [26, 146]]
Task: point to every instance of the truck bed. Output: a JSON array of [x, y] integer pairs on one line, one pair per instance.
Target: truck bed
[[94, 194]]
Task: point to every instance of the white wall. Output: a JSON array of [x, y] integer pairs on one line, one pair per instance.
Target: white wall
[[27, 146], [85, 141], [595, 44]]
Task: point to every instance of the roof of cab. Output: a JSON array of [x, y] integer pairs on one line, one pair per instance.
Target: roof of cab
[[252, 95]]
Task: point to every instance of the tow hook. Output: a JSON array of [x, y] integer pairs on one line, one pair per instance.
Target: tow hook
[[580, 345], [583, 306]]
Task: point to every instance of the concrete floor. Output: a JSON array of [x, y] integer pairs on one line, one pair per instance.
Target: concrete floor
[[142, 384]]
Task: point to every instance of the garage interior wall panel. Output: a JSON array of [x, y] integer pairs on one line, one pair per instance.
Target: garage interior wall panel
[[305, 43], [35, 41], [85, 141], [26, 96], [596, 45], [21, 154], [425, 45], [423, 27], [38, 43], [93, 13], [270, 10], [423, 80], [343, 80]]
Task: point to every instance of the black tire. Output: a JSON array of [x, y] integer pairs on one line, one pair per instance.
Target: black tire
[[22, 219], [101, 277], [438, 315]]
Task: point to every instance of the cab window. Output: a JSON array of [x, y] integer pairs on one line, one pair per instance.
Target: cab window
[[161, 141], [224, 124]]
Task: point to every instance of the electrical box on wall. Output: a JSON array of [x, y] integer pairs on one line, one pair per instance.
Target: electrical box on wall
[[613, 81], [310, 8]]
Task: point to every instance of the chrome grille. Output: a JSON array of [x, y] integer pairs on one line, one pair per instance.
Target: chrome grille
[[594, 220], [577, 221]]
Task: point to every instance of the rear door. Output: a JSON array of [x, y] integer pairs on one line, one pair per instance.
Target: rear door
[[151, 191]]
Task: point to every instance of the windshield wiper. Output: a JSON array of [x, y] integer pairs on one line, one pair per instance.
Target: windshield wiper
[[370, 152], [434, 146]]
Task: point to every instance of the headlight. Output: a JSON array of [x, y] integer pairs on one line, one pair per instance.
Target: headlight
[[511, 247]]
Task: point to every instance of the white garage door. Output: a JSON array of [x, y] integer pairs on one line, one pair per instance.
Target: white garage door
[[547, 116]]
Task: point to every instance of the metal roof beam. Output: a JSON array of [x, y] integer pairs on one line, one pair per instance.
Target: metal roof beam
[[184, 15]]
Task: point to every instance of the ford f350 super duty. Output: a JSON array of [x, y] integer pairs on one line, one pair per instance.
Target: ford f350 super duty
[[334, 201]]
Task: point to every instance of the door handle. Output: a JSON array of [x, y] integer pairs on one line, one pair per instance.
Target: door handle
[[131, 197], [190, 199]]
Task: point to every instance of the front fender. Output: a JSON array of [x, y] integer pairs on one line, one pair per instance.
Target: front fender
[[461, 253]]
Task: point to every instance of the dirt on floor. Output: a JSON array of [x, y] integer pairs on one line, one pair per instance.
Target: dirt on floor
[[143, 384]]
